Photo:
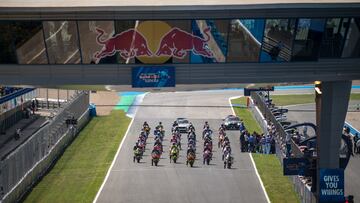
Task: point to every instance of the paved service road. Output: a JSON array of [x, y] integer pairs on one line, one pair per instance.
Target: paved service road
[[131, 182]]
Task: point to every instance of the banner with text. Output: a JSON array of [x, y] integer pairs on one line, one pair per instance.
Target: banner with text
[[331, 185], [153, 76]]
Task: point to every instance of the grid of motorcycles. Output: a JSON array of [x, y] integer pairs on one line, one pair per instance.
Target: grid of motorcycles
[[175, 144]]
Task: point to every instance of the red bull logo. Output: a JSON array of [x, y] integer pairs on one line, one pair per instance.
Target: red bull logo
[[174, 43], [177, 42], [129, 44]]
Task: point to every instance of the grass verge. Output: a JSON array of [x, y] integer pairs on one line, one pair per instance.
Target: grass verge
[[292, 99], [277, 186], [78, 174], [244, 114]]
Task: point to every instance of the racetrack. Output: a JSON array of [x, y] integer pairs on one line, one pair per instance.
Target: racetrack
[[131, 182]]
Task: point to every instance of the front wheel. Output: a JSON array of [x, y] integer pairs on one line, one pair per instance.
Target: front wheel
[[191, 164], [134, 159], [152, 162], [208, 161], [229, 165], [156, 163]]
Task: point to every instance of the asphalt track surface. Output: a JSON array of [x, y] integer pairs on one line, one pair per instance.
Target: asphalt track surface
[[168, 182]]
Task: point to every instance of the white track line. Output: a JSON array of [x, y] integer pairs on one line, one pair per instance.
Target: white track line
[[252, 160], [113, 162]]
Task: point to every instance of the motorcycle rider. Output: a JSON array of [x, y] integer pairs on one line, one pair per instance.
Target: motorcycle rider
[[207, 130], [206, 125], [191, 128], [222, 128], [136, 146], [174, 148], [227, 150], [190, 149], [145, 125]]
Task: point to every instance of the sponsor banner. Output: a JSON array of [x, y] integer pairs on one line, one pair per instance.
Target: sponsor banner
[[331, 185], [153, 76], [295, 166]]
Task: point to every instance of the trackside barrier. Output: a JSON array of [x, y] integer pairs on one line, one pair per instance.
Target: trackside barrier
[[21, 169], [262, 114]]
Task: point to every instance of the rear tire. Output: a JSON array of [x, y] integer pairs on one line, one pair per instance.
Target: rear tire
[[152, 162], [208, 161], [156, 163], [191, 164], [174, 160]]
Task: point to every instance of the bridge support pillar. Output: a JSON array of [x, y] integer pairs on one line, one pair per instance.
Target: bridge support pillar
[[332, 100]]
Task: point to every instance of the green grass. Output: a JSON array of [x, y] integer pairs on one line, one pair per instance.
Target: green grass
[[244, 114], [278, 187], [292, 99], [78, 174]]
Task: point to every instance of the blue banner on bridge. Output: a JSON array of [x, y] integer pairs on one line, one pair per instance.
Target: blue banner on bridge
[[153, 76], [331, 185]]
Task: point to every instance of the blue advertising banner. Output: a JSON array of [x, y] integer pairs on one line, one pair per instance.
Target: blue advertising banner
[[332, 185], [295, 166], [153, 76]]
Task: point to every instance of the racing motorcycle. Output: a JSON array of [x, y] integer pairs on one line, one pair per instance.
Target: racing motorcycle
[[190, 159], [155, 157], [137, 155], [207, 157], [174, 155], [228, 161]]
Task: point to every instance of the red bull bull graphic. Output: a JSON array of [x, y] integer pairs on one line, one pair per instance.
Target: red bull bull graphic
[[177, 42], [132, 43], [129, 44]]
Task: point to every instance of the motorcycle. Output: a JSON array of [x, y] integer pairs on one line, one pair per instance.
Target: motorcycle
[[174, 155], [137, 156], [207, 157], [155, 157], [190, 159], [228, 161]]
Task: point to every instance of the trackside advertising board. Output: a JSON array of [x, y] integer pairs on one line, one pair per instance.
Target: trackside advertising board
[[331, 185], [153, 76]]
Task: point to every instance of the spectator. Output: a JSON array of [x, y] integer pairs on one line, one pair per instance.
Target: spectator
[[251, 143], [33, 106], [242, 141], [17, 134], [356, 138], [246, 141], [267, 144], [262, 142], [288, 144]]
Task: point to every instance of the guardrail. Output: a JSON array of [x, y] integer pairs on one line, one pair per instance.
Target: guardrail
[[22, 168], [301, 188]]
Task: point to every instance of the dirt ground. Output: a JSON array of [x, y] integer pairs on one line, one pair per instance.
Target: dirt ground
[[104, 98]]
